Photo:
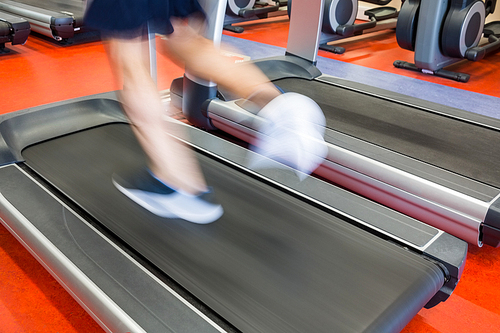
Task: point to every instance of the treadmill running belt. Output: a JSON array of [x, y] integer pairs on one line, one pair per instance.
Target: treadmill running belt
[[441, 141], [272, 263]]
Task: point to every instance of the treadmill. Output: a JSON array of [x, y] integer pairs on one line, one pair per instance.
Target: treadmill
[[286, 256], [432, 162], [13, 29], [58, 19]]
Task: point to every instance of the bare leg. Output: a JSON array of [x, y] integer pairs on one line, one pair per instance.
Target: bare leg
[[171, 161], [203, 60]]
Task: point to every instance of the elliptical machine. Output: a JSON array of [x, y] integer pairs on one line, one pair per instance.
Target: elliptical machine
[[339, 17], [443, 32], [247, 10]]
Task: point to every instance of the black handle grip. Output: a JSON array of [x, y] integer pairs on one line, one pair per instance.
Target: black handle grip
[[379, 2], [479, 52], [352, 29], [245, 13]]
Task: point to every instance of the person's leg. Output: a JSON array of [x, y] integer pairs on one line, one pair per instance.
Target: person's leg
[[198, 54], [294, 128], [169, 160]]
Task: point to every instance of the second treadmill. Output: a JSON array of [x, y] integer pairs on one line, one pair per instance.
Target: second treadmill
[[53, 18], [432, 162]]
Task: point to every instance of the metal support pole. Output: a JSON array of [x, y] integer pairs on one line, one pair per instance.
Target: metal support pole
[[152, 54], [305, 28]]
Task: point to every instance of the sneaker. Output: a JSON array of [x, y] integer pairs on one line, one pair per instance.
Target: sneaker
[[292, 134], [153, 195]]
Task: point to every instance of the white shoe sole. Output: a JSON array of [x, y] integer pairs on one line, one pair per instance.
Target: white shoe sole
[[171, 205]]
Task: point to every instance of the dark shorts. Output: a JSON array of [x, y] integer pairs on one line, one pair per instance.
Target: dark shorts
[[128, 18]]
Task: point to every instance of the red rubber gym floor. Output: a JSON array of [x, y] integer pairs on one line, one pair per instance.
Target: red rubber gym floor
[[42, 72]]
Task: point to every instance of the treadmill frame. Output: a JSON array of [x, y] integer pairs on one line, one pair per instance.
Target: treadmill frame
[[21, 129], [19, 30], [58, 25]]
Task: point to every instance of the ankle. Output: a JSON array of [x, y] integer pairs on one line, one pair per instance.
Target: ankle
[[193, 187]]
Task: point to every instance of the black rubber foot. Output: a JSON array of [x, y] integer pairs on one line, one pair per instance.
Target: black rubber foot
[[234, 29], [460, 77], [332, 48]]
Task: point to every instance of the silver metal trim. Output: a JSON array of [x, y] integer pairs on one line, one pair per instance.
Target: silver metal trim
[[48, 255]]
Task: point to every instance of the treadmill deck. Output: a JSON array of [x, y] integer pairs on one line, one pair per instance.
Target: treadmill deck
[[271, 263]]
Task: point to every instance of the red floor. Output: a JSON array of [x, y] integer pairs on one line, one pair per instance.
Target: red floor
[[41, 72]]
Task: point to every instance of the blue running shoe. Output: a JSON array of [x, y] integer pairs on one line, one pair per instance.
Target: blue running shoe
[[153, 195]]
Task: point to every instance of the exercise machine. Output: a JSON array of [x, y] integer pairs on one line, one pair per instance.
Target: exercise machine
[[339, 21], [286, 256], [429, 161], [14, 30], [445, 32], [248, 10], [56, 19]]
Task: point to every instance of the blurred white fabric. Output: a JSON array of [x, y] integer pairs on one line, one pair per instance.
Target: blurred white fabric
[[292, 134]]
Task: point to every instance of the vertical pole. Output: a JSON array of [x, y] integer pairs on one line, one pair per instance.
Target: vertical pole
[[152, 54], [215, 10], [196, 92], [304, 34]]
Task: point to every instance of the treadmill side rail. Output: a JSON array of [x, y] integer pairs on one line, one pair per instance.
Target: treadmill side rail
[[448, 201]]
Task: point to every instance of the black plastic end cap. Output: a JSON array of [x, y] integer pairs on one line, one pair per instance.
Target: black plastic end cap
[[475, 54], [450, 253], [491, 225]]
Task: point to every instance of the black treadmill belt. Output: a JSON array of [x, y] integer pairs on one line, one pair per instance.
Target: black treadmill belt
[[271, 264], [441, 141]]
